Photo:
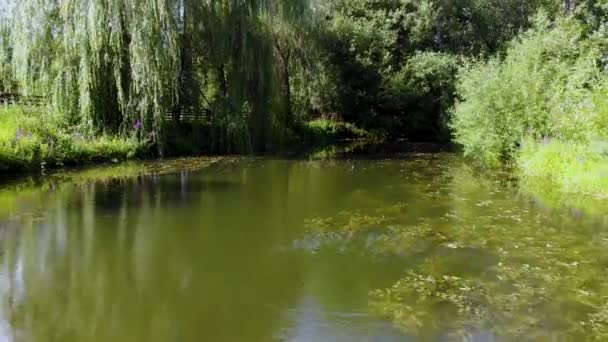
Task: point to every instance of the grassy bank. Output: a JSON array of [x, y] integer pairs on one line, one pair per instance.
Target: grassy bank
[[32, 139], [322, 131], [570, 168]]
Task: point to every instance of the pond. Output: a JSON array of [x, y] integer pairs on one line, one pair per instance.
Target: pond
[[421, 247]]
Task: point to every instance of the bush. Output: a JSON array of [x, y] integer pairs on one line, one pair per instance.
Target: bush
[[420, 95], [542, 89], [391, 65]]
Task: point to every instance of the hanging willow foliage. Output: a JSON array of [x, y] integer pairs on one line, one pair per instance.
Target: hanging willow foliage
[[104, 63], [6, 78], [107, 64]]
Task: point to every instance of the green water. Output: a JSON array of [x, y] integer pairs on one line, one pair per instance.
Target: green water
[[417, 248]]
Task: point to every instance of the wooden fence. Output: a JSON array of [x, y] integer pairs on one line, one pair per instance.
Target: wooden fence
[[14, 99], [18, 99], [189, 115]]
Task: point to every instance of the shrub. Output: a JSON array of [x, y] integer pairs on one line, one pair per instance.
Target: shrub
[[541, 89], [420, 94]]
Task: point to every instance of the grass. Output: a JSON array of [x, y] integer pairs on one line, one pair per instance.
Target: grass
[[567, 167], [31, 139], [324, 131], [34, 139]]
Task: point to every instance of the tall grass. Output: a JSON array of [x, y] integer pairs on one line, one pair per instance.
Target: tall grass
[[568, 167], [31, 139], [324, 131]]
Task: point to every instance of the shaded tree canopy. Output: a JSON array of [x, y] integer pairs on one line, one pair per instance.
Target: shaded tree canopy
[[393, 63]]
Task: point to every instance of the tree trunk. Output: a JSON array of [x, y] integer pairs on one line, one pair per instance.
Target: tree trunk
[[186, 66], [285, 80], [287, 94], [184, 80], [221, 74]]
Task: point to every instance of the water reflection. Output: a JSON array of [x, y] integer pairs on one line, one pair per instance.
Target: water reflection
[[181, 256], [262, 250], [480, 258], [311, 322]]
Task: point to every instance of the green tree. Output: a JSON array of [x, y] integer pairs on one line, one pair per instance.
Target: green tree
[[374, 47], [292, 28]]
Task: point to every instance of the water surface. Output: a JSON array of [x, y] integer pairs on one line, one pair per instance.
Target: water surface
[[290, 250]]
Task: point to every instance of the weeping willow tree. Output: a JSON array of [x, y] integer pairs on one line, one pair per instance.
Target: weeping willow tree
[[293, 28], [105, 64], [119, 66], [238, 56], [244, 44]]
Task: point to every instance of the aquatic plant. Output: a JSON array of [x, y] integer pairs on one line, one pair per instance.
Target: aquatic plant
[[480, 261]]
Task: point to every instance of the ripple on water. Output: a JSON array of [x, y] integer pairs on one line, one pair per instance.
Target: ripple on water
[[309, 321]]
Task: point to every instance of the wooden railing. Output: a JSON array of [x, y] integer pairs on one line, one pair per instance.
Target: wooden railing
[[189, 115], [18, 99], [15, 99]]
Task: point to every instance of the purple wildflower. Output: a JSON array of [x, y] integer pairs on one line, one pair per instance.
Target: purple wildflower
[[138, 125], [19, 134]]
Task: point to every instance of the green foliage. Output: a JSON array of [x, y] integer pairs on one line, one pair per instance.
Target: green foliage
[[324, 131], [544, 106], [540, 90], [366, 43], [420, 95], [256, 69], [391, 64], [598, 115], [7, 82], [473, 27]]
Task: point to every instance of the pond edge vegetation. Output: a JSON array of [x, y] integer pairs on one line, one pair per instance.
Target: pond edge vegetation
[[525, 86]]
